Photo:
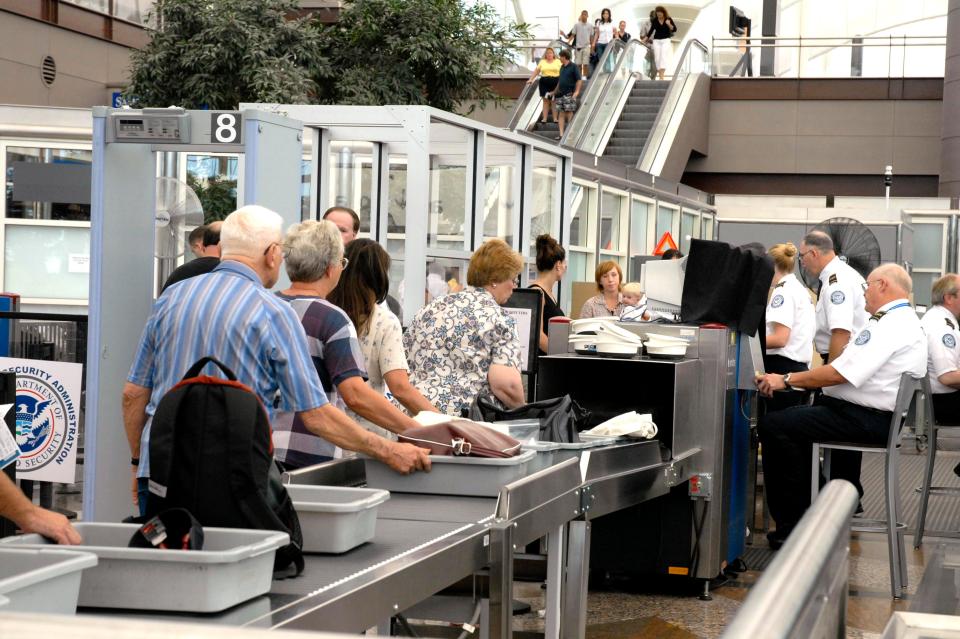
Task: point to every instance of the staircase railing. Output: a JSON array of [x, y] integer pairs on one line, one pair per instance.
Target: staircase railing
[[694, 60], [527, 108], [590, 134]]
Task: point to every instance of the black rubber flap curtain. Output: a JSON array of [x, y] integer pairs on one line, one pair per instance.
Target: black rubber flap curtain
[[726, 285]]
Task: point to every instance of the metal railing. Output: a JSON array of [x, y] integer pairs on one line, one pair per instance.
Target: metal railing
[[590, 134], [525, 57], [849, 57], [607, 70], [803, 593], [694, 60], [527, 108]]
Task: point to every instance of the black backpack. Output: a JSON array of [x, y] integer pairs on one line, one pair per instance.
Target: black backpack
[[211, 452]]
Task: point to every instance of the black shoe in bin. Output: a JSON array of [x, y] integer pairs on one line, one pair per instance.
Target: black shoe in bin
[[172, 529]]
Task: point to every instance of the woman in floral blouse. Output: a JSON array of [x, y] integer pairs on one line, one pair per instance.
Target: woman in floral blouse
[[463, 344], [607, 302]]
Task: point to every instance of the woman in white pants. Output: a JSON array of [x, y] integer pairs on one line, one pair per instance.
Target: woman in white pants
[[661, 30]]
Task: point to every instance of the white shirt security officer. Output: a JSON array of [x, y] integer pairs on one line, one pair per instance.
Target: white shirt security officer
[[840, 303], [943, 346], [891, 344], [790, 306], [860, 389]]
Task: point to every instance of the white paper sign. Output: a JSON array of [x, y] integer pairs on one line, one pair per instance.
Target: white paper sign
[[48, 418], [523, 318], [78, 263], [9, 451]]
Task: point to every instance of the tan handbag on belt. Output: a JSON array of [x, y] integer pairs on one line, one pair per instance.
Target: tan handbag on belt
[[462, 438]]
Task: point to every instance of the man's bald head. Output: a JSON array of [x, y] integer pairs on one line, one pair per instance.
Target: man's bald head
[[816, 251], [896, 276], [886, 283]]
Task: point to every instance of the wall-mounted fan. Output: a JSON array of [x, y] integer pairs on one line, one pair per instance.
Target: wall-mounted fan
[[178, 211], [853, 242]]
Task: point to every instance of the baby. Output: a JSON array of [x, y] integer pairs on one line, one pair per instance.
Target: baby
[[635, 302]]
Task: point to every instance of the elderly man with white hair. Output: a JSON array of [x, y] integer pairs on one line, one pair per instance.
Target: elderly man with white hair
[[859, 392], [229, 314]]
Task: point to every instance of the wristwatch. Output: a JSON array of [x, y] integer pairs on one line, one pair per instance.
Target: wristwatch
[[786, 382]]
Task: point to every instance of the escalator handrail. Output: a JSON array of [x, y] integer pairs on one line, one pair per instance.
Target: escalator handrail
[[529, 89], [662, 114], [593, 87], [606, 89]]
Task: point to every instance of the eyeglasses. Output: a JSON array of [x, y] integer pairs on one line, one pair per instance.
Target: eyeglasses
[[270, 246], [866, 284], [343, 262], [800, 255]]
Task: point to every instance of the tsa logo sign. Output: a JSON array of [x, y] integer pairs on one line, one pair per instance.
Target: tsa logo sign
[[48, 418]]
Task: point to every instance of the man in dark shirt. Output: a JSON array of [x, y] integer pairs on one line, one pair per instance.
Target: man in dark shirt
[[567, 91], [207, 261]]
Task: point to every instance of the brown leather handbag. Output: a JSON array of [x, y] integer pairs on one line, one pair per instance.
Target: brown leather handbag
[[462, 438]]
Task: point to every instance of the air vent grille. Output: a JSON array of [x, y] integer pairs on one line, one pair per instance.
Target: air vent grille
[[48, 70]]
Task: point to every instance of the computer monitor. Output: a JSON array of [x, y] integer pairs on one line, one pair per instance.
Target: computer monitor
[[662, 282]]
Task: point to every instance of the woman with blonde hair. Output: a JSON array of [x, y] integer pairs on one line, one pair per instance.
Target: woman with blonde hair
[[609, 278], [790, 324], [463, 344], [549, 71]]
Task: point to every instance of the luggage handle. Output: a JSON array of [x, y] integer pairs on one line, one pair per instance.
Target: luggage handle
[[203, 361]]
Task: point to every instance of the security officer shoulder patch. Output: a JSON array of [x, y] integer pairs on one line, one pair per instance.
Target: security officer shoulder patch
[[949, 340], [832, 279], [949, 323], [780, 284], [777, 301], [862, 338], [837, 297]]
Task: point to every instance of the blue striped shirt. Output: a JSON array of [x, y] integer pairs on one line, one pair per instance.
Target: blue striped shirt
[[228, 314]]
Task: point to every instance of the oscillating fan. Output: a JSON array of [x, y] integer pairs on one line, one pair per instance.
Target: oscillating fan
[[178, 211], [853, 242]]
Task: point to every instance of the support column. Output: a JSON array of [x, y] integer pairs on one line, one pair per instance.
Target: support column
[[950, 128], [769, 29]]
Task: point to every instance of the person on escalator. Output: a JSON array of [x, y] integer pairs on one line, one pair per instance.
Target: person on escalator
[[581, 37], [622, 32], [549, 71], [661, 30], [604, 35], [568, 89]]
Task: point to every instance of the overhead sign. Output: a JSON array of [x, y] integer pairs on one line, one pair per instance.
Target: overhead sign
[[48, 418], [666, 242]]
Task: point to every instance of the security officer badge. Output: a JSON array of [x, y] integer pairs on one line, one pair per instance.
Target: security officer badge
[[862, 338], [777, 301], [949, 340], [837, 297]]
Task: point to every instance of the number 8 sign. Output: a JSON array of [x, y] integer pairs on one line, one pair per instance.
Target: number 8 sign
[[225, 127]]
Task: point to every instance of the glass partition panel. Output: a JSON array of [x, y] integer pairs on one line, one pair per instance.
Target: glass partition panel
[[132, 10], [928, 243], [666, 221], [706, 226], [306, 165], [613, 221], [48, 184], [214, 179], [47, 261], [688, 230], [639, 232], [444, 275], [501, 189], [580, 266], [546, 196], [350, 178], [606, 110], [584, 216], [451, 157], [922, 285], [592, 93]]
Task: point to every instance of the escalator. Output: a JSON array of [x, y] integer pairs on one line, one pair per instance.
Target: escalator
[[651, 125]]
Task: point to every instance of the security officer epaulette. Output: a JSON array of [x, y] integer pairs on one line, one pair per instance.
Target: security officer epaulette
[[879, 314], [779, 285], [949, 323], [832, 279]]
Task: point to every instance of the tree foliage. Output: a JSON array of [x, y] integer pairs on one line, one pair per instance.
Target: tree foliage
[[218, 196], [217, 54], [431, 52], [206, 54]]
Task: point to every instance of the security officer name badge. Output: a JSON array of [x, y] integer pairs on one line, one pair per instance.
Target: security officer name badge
[[949, 340], [949, 323], [862, 338], [832, 279], [777, 301], [837, 297]]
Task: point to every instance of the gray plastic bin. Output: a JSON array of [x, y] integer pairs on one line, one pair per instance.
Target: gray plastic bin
[[471, 476], [335, 519], [45, 581], [234, 565], [546, 454]]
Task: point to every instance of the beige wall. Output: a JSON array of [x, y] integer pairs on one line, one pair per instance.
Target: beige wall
[[856, 137], [86, 66]]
